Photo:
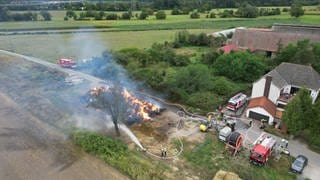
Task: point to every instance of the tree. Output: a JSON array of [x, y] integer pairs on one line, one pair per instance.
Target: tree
[[296, 10], [240, 66], [112, 16], [143, 15], [247, 11], [303, 52], [126, 16], [115, 104], [298, 113], [195, 15], [161, 15], [46, 15]]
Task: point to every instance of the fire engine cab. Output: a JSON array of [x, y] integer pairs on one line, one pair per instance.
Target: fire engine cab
[[67, 63], [261, 152], [237, 101]]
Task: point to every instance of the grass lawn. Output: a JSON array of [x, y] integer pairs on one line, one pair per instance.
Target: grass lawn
[[210, 156], [83, 45]]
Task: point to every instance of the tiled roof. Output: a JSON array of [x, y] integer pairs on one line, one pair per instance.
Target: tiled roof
[[264, 103], [278, 114], [228, 48], [296, 75], [266, 40]]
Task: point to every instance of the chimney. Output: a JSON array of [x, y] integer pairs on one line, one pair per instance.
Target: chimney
[[267, 86]]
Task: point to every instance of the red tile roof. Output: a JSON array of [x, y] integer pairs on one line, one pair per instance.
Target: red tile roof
[[228, 48], [264, 103]]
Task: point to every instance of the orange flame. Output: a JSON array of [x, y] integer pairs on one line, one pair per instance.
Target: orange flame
[[140, 107], [143, 107]]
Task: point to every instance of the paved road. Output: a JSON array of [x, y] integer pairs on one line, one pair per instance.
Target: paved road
[[295, 147], [93, 80]]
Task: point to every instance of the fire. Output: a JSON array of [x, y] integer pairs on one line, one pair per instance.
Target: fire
[[141, 108]]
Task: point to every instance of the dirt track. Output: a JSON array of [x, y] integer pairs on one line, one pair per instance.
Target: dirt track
[[34, 114]]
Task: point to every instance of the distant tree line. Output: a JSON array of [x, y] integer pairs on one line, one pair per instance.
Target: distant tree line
[[125, 5], [5, 15]]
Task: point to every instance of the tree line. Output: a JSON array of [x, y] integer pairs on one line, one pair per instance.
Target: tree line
[[5, 15], [126, 5]]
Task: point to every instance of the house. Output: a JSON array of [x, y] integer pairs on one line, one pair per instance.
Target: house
[[270, 40], [272, 92]]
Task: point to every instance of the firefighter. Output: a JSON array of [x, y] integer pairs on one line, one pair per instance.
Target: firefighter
[[250, 123]]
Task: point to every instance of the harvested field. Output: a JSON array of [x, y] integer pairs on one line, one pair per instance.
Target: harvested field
[[36, 111]]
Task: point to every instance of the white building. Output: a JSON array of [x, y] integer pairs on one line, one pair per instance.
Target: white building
[[273, 91]]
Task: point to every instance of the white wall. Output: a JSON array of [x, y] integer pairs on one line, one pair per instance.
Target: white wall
[[286, 89], [260, 111], [258, 88], [314, 94], [274, 93]]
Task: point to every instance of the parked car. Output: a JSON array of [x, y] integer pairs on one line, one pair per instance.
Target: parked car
[[299, 163]]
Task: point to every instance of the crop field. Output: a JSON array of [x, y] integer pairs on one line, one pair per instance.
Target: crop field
[[118, 34], [54, 46]]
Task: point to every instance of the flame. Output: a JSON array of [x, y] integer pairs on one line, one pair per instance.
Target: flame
[[143, 108], [139, 107]]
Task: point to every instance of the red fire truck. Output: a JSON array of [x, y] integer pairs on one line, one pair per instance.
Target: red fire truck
[[237, 101], [67, 63], [261, 152]]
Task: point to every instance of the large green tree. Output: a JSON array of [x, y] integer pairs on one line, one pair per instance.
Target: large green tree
[[296, 10], [303, 52], [298, 113], [240, 66]]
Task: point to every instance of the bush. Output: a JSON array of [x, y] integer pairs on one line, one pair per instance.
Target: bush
[[212, 15], [226, 14], [65, 18], [46, 15], [195, 15], [247, 11], [117, 154], [175, 11], [112, 16], [126, 16], [143, 15], [285, 10], [161, 15], [148, 11]]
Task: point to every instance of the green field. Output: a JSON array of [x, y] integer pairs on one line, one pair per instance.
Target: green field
[[119, 34], [54, 46]]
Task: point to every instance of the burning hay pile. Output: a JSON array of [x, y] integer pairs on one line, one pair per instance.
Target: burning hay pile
[[136, 110]]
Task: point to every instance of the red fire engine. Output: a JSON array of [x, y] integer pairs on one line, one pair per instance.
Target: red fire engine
[[67, 63], [261, 152], [237, 101]]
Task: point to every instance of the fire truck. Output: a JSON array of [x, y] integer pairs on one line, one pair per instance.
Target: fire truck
[[237, 101], [67, 63], [262, 150]]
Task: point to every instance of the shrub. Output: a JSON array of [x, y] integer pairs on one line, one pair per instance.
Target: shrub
[[226, 14], [65, 18], [112, 16], [46, 15], [212, 15], [161, 15], [143, 15], [194, 15], [126, 16], [175, 11]]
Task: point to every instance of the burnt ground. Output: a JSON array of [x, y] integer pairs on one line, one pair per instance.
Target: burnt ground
[[37, 110]]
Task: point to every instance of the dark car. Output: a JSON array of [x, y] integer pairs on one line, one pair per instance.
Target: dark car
[[298, 164]]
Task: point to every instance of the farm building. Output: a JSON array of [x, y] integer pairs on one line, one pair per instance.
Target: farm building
[[270, 40]]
